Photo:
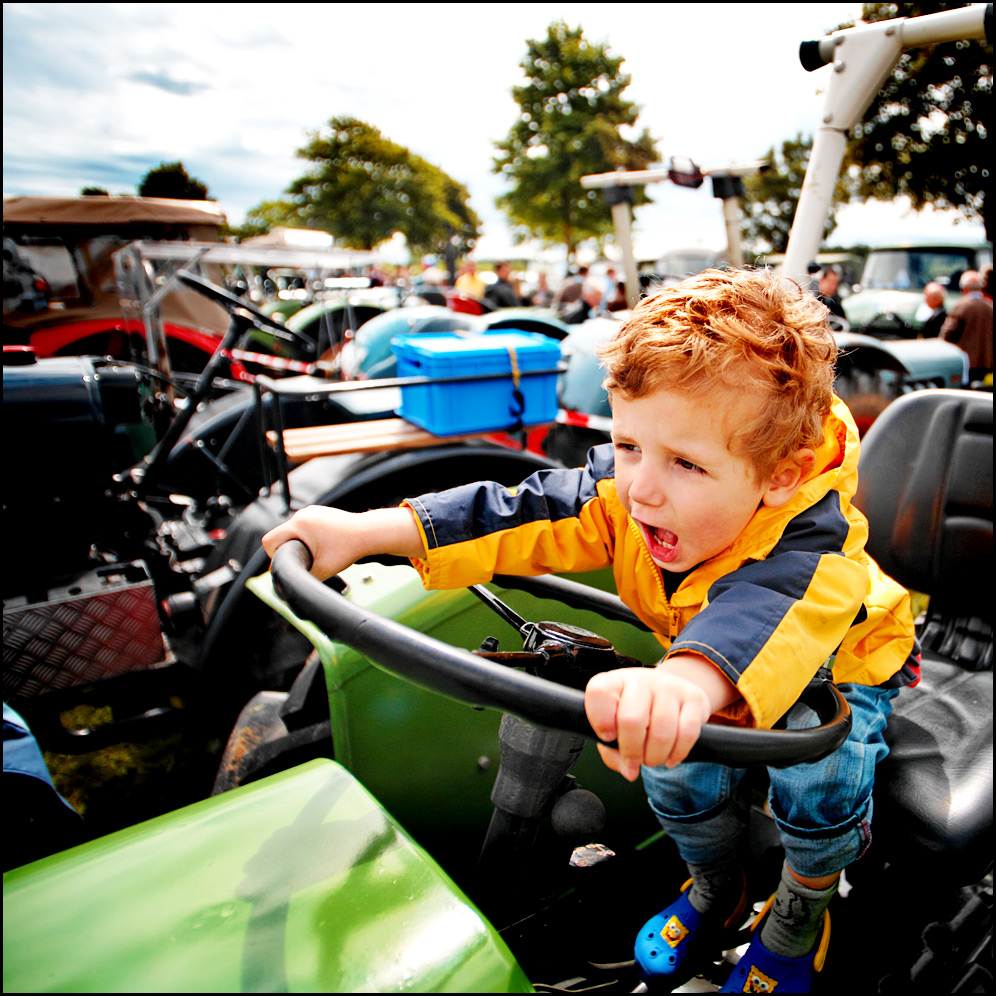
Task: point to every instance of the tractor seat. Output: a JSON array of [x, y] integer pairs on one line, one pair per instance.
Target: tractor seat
[[926, 486]]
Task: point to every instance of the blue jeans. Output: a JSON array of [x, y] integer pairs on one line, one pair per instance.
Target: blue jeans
[[823, 810]]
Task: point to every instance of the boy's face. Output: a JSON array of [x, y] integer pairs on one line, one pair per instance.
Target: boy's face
[[676, 476]]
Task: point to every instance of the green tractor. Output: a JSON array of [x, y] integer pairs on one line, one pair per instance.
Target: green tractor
[[394, 812], [388, 867]]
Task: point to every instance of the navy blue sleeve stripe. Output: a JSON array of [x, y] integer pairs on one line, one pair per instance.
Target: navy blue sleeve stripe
[[785, 573], [472, 511], [738, 628], [822, 528]]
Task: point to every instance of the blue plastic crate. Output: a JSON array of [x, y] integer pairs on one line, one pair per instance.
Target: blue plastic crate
[[478, 405]]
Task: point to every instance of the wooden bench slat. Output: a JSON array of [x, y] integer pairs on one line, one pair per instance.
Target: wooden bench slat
[[359, 437]]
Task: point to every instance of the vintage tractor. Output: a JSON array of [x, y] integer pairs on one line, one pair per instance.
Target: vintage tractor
[[301, 879], [339, 852]]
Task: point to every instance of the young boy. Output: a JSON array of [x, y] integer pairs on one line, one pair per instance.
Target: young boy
[[724, 507]]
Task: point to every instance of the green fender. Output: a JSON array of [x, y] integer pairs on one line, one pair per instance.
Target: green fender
[[297, 883], [430, 760]]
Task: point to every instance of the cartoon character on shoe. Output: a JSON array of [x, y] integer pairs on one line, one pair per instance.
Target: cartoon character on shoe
[[674, 945], [762, 971]]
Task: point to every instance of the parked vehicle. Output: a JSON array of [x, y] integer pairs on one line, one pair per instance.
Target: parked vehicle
[[24, 290], [848, 265], [303, 881], [326, 322], [888, 301], [870, 375], [109, 264], [70, 242], [674, 266], [167, 508], [368, 354]]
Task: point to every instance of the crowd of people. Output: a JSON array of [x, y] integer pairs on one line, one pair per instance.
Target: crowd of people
[[580, 296], [585, 294], [968, 323]]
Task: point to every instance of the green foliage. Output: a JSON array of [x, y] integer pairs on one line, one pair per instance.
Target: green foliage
[[572, 109], [94, 192], [363, 187], [925, 134], [172, 180], [771, 197], [264, 216]]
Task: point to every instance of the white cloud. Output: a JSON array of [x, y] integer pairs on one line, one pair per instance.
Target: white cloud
[[112, 89]]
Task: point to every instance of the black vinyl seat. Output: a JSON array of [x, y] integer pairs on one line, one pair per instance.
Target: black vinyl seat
[[926, 485]]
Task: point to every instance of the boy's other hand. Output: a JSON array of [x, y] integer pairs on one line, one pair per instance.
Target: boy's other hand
[[654, 714], [337, 539]]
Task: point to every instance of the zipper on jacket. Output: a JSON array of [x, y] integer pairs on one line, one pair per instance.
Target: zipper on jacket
[[672, 614]]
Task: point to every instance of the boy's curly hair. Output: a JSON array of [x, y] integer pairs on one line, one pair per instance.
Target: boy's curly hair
[[741, 328]]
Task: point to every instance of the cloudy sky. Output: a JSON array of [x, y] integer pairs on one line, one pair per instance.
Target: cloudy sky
[[96, 94]]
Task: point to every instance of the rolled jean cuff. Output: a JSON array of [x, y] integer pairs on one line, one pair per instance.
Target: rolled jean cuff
[[703, 836], [816, 853]]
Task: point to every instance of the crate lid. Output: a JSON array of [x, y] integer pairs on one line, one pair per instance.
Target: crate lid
[[497, 343]]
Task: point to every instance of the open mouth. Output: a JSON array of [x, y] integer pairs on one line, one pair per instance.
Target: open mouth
[[662, 543]]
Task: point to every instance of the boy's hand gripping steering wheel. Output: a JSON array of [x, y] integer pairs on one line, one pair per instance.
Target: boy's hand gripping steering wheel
[[477, 681]]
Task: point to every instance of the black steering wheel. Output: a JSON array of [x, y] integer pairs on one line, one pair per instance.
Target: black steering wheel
[[241, 312], [480, 682]]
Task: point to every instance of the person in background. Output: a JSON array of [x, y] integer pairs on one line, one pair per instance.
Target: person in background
[[933, 298], [542, 296], [615, 293], [611, 282], [469, 280], [828, 281], [588, 305], [987, 282], [502, 294], [969, 326], [571, 289]]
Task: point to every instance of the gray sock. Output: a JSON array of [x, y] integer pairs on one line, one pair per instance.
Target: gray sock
[[716, 886], [794, 923]]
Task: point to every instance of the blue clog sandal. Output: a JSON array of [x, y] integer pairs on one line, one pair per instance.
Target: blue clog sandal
[[674, 945], [761, 971]]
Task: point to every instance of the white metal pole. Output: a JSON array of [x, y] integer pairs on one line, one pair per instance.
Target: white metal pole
[[731, 216], [862, 59], [624, 240], [811, 212]]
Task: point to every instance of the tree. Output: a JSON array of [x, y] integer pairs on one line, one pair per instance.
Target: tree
[[94, 192], [771, 197], [172, 180], [925, 133], [572, 110], [363, 188], [264, 216]]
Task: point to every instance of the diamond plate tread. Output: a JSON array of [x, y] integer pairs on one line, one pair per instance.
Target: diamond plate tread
[[56, 645]]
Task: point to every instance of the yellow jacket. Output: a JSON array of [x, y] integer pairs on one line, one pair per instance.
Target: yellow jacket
[[768, 611]]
